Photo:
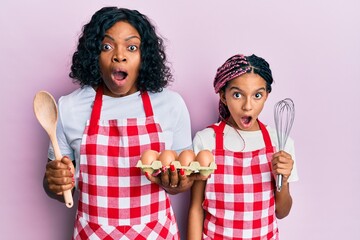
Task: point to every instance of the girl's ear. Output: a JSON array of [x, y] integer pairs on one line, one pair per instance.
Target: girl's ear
[[222, 97], [266, 95]]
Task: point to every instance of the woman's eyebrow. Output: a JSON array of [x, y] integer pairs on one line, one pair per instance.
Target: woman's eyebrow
[[108, 36], [126, 39], [131, 37]]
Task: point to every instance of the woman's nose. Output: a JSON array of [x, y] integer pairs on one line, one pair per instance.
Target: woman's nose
[[119, 57]]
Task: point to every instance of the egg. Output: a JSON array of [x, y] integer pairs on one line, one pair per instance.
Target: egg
[[204, 157], [167, 157], [149, 156], [186, 157]]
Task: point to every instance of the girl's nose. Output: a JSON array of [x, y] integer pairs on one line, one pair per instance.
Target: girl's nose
[[247, 106]]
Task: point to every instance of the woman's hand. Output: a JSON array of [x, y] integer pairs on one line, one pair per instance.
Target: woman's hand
[[174, 181], [59, 175], [282, 163]]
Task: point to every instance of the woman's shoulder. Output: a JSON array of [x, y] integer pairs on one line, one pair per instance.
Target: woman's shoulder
[[168, 94], [80, 100], [168, 99], [82, 94]]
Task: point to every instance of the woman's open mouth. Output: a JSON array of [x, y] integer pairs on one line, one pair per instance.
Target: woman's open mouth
[[119, 75]]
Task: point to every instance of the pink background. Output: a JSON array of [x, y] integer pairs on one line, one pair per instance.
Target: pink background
[[313, 48]]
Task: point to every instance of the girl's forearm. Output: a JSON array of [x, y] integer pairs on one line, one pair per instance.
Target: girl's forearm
[[283, 202], [195, 224]]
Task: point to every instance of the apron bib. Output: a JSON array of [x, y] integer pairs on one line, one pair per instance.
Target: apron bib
[[239, 198], [116, 200]]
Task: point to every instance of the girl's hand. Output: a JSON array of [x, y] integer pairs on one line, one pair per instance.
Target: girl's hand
[[59, 175], [282, 163], [175, 181]]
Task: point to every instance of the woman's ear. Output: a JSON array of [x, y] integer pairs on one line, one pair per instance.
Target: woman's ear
[[222, 97]]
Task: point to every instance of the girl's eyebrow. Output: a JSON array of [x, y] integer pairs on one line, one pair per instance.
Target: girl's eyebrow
[[126, 39], [238, 89]]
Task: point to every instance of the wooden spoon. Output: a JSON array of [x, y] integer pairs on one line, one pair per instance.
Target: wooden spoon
[[46, 113]]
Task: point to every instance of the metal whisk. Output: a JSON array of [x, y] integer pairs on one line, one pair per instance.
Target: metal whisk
[[284, 114]]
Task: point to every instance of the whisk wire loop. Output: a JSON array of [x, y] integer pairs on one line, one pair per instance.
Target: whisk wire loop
[[284, 114]]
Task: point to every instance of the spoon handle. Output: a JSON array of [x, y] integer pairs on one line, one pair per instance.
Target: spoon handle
[[58, 156]]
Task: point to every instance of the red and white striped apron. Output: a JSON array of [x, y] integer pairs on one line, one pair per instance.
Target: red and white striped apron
[[239, 197], [116, 200]]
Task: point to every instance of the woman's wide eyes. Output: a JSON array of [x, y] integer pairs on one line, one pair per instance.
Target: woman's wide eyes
[[105, 47], [132, 48]]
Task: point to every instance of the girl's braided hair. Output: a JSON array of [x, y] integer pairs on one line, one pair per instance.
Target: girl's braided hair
[[238, 65]]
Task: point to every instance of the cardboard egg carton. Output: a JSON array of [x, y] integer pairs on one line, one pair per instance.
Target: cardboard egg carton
[[194, 167]]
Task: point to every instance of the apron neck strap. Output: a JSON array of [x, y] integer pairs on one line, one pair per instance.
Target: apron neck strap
[[147, 104], [96, 111], [219, 135], [266, 136], [95, 114]]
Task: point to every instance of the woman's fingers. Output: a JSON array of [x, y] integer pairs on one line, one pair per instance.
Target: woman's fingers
[[59, 175]]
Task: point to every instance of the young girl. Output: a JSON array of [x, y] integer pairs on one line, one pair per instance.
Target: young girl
[[120, 110], [239, 200]]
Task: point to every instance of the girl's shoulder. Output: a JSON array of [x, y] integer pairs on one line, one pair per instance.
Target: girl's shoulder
[[274, 137]]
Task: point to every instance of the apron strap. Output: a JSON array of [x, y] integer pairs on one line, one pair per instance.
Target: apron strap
[[96, 111], [147, 104], [219, 133], [95, 114], [266, 136]]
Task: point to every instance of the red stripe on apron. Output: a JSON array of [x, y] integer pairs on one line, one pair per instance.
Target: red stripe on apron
[[116, 200], [239, 197]]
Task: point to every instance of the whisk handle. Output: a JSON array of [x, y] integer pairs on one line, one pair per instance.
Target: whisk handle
[[279, 182]]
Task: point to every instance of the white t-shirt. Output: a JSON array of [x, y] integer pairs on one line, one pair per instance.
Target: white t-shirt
[[205, 139], [169, 111]]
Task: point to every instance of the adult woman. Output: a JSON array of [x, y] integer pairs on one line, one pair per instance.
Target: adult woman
[[120, 110]]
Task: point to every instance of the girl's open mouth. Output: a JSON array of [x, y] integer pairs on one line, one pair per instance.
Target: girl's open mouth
[[246, 120]]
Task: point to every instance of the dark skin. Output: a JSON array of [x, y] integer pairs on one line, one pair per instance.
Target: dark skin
[[175, 181], [120, 50], [59, 176]]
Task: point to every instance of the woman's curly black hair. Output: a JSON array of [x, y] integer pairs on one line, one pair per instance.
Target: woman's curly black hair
[[154, 74]]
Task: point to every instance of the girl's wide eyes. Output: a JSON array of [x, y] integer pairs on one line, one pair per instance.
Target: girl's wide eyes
[[237, 95], [258, 95]]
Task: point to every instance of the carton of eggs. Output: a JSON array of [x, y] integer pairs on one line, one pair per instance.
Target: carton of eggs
[[151, 161]]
